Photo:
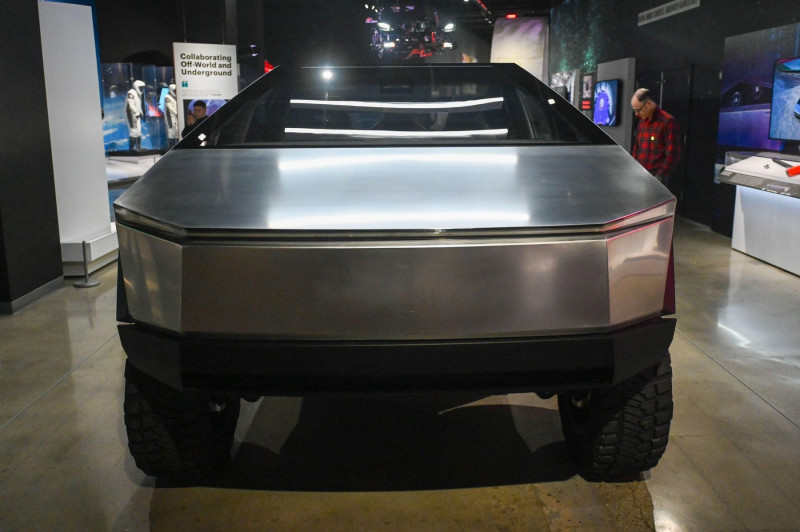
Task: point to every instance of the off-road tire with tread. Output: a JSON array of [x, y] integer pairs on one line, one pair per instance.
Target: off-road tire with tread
[[181, 436], [621, 430]]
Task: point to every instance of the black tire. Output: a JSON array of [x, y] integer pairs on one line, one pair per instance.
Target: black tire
[[622, 430], [181, 436]]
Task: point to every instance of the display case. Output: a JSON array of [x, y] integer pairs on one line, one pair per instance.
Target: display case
[[767, 171], [766, 220]]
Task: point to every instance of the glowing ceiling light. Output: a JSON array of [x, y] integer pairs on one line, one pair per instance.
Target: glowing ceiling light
[[449, 27], [447, 45], [495, 102], [414, 218], [299, 164], [398, 134], [389, 44], [384, 26], [327, 74], [511, 15]]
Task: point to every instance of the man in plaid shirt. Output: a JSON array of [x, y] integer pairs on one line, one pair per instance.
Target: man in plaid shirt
[[657, 146]]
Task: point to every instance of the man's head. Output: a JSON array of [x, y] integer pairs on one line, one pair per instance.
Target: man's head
[[642, 104], [199, 109]]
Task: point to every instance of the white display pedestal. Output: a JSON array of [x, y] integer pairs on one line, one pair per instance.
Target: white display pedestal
[[100, 251], [767, 227], [76, 136]]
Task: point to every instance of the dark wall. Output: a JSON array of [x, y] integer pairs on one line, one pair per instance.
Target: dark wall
[[299, 32], [587, 32], [143, 31], [30, 250], [306, 32], [127, 31]]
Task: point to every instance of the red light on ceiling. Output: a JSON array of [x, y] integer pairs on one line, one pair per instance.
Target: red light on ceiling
[[267, 66], [511, 15]]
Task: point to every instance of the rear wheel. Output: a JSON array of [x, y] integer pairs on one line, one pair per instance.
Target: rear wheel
[[622, 430], [173, 434]]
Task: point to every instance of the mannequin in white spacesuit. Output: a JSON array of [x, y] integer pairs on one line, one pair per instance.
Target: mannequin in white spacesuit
[[133, 113], [171, 115]]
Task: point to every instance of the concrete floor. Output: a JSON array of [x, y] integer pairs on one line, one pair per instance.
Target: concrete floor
[[422, 462]]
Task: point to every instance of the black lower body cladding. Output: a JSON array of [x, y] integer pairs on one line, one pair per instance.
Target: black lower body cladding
[[258, 367]]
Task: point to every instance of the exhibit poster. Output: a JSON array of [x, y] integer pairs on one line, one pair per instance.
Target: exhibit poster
[[747, 88], [587, 94], [206, 72], [568, 82], [522, 41]]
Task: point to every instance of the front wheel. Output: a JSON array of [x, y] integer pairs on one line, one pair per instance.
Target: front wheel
[[177, 435], [621, 430]]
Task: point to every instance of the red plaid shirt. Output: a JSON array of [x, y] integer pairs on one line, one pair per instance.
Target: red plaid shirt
[[657, 145]]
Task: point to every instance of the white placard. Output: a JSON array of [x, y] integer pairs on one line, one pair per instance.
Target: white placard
[[666, 10], [204, 72]]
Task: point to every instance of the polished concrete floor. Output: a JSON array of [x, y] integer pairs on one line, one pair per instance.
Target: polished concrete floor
[[422, 462]]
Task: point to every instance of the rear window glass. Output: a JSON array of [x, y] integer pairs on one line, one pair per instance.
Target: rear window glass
[[400, 105]]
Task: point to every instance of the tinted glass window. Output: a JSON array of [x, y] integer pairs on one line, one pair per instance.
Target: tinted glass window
[[385, 105]]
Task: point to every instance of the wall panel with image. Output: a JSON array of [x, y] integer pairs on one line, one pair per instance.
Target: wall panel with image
[[134, 107], [747, 88]]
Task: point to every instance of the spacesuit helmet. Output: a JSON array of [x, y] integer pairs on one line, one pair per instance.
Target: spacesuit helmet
[[139, 86], [172, 88]]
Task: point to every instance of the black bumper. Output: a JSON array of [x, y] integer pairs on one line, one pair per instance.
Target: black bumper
[[547, 364]]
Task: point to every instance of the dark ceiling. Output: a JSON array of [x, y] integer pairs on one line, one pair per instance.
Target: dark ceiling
[[297, 31], [479, 15]]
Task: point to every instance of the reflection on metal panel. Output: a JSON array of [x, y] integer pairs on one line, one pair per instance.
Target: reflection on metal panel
[[401, 290], [341, 189], [152, 271], [637, 271], [398, 290]]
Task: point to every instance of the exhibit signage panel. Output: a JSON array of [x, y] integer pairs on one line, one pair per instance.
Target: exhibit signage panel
[[205, 72], [666, 10]]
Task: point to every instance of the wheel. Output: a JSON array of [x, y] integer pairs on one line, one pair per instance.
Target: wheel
[[176, 435], [622, 430]]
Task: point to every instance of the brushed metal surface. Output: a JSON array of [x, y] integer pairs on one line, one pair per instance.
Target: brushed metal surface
[[152, 276], [397, 291], [637, 271], [432, 287], [403, 290], [394, 188]]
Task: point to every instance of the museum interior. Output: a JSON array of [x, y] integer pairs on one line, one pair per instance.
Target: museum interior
[[728, 73]]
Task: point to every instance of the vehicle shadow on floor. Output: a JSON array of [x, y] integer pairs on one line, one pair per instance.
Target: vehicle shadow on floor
[[396, 443]]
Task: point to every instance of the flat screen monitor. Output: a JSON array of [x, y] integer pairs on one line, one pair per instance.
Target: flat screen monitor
[[784, 121], [606, 102]]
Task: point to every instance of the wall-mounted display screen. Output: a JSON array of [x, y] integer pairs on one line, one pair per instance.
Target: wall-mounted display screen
[[784, 121], [606, 102]]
